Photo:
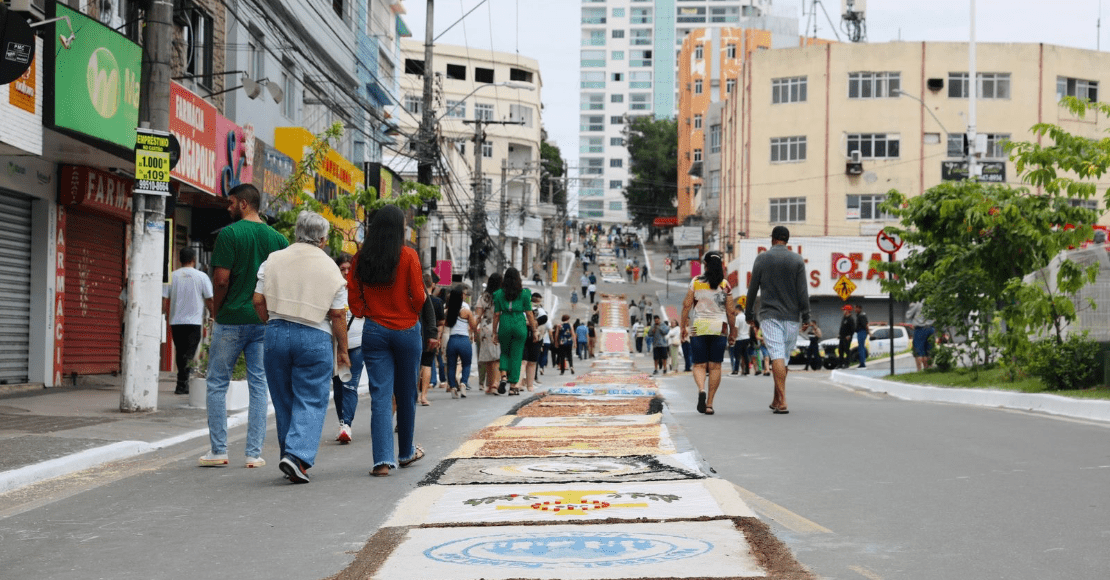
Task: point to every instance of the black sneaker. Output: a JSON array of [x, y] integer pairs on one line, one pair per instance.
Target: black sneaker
[[181, 390], [293, 469]]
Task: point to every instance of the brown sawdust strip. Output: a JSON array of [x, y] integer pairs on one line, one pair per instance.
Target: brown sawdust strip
[[570, 406], [565, 431], [558, 447], [771, 554]]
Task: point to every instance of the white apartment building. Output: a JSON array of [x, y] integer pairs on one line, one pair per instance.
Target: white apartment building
[[503, 90], [628, 68]]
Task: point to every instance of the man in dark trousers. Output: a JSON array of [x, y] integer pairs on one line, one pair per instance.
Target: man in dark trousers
[[862, 334], [781, 276], [847, 329]]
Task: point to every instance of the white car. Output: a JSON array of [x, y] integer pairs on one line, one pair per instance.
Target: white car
[[879, 343]]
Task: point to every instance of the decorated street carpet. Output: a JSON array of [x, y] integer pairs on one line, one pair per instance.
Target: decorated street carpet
[[584, 481]]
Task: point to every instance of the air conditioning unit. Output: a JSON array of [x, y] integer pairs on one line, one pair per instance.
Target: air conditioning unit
[[855, 157], [854, 169]]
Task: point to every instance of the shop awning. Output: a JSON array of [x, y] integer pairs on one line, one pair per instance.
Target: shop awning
[[665, 222]]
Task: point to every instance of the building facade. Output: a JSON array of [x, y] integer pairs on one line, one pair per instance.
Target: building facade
[[629, 67], [502, 91]]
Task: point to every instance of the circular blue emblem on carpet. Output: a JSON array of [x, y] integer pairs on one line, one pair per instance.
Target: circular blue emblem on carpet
[[552, 550]]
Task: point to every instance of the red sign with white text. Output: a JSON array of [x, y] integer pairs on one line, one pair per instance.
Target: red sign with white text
[[96, 191], [193, 120]]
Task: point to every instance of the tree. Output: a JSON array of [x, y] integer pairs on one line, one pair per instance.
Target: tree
[[653, 163], [551, 177]]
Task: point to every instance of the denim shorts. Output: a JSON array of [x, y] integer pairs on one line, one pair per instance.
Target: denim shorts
[[709, 348], [922, 342]]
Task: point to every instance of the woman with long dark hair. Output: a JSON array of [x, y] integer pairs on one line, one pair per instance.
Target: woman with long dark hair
[[489, 353], [714, 326], [512, 321], [461, 325], [387, 289]]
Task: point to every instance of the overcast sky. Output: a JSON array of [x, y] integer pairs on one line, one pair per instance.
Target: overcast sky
[[549, 31]]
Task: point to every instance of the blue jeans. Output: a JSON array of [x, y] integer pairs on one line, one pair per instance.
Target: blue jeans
[[861, 338], [228, 342], [458, 347], [687, 355], [346, 394], [583, 350], [392, 363], [442, 368], [299, 365]]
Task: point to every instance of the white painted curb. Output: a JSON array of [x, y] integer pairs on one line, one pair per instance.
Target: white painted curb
[[1095, 410]]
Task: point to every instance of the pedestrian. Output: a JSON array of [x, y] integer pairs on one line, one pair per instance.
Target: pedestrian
[[593, 291], [591, 328], [779, 277], [386, 288], [740, 346], [574, 300], [923, 332], [757, 349], [584, 281], [744, 345], [659, 331], [534, 343], [345, 394], [638, 333], [432, 321], [847, 329], [863, 334], [582, 338], [633, 313], [813, 349], [512, 321], [184, 300], [593, 281], [301, 295], [240, 248], [644, 272], [546, 352], [564, 341], [648, 310], [489, 353], [709, 300], [462, 325], [674, 345]]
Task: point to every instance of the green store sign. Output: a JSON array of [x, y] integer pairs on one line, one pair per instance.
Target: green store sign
[[96, 80]]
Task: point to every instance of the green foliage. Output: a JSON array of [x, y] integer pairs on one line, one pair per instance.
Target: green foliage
[[345, 206], [551, 179], [1072, 164], [1067, 365], [653, 163], [945, 357]]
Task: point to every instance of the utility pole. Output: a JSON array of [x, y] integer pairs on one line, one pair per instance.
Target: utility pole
[[503, 211], [143, 323], [972, 97], [426, 134], [478, 212]]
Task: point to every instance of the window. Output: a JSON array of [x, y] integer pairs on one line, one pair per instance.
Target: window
[[414, 67], [487, 149], [697, 87], [618, 13], [618, 77], [460, 146], [594, 166], [691, 15], [593, 58], [616, 141], [697, 155], [616, 98], [730, 85], [617, 55], [616, 163], [593, 16], [788, 90], [198, 40], [591, 145], [288, 86], [639, 101], [714, 184], [640, 16], [616, 184], [727, 14], [639, 79], [487, 186], [873, 85], [875, 145], [618, 33], [593, 101], [866, 207], [639, 58], [256, 60], [593, 38], [483, 112], [699, 52], [641, 37], [337, 6], [592, 123], [456, 109], [483, 75], [788, 209], [413, 104], [521, 114], [995, 145], [592, 79], [788, 149], [697, 121], [1069, 87], [616, 119], [456, 71], [714, 139], [730, 51], [989, 85], [616, 205], [1091, 204]]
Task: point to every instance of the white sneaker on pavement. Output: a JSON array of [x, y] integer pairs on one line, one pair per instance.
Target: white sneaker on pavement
[[344, 433], [255, 462], [212, 459]]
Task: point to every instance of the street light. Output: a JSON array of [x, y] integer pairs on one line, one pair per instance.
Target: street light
[[900, 93], [510, 84]]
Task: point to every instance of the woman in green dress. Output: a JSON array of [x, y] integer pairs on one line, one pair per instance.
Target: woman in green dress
[[512, 321]]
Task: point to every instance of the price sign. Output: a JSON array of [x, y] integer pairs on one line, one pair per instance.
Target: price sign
[[152, 162], [888, 242]]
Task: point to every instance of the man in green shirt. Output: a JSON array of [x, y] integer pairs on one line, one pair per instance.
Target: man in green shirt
[[240, 248]]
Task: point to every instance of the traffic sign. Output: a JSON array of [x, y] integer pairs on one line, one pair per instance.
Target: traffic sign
[[742, 302], [844, 288], [888, 242]]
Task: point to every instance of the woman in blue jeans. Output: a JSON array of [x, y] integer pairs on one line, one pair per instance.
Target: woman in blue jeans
[[462, 325], [386, 287], [345, 394]]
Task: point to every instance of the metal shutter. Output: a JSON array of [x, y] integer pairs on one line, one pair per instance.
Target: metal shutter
[[15, 287], [94, 282]]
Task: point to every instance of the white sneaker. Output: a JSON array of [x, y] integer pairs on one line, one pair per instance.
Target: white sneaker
[[344, 434], [255, 462], [213, 459]]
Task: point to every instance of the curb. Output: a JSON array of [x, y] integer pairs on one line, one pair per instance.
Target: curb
[[1094, 410]]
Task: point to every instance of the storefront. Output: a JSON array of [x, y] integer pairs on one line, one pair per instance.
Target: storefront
[[337, 176]]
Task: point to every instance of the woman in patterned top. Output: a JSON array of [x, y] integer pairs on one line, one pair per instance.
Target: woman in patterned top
[[714, 328]]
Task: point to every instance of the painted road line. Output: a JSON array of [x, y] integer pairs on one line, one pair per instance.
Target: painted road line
[[781, 515]]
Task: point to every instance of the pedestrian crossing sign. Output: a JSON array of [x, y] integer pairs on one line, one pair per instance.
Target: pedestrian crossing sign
[[742, 302], [844, 287]]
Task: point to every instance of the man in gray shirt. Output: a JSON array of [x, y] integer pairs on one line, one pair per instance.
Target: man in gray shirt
[[780, 274]]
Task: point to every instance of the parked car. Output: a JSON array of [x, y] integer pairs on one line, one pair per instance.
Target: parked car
[[879, 342]]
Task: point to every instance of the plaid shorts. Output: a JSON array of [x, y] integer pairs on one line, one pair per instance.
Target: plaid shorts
[[780, 337]]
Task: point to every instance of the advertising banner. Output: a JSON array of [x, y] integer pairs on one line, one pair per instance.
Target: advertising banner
[[152, 162], [271, 169], [336, 175], [94, 81], [96, 191], [193, 121], [234, 153]]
